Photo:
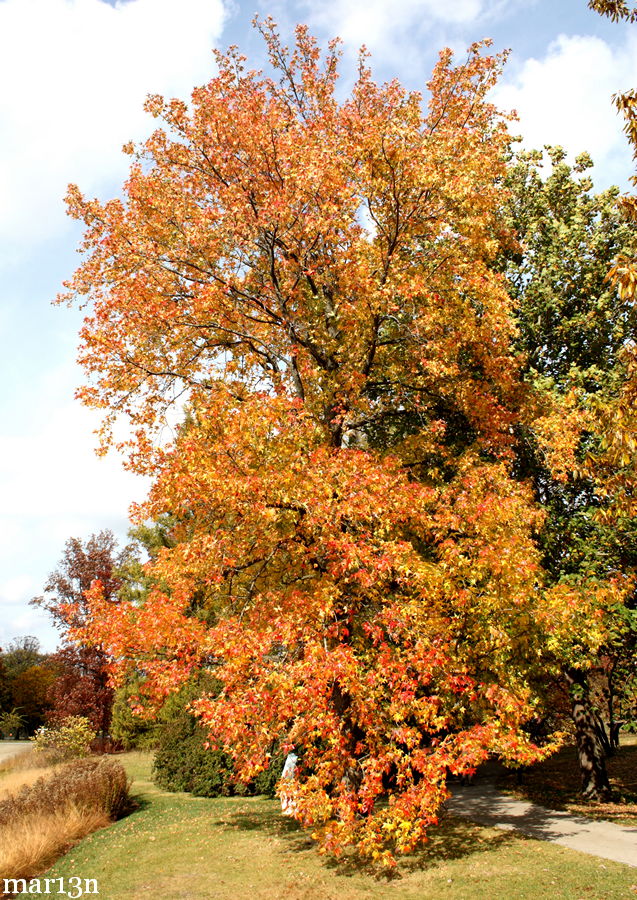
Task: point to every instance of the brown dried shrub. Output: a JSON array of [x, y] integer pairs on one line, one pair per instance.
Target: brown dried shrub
[[11, 782]]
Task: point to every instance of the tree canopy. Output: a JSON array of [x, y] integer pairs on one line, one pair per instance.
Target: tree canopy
[[81, 687], [316, 283]]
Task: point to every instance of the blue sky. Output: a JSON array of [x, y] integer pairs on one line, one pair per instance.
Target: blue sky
[[73, 76]]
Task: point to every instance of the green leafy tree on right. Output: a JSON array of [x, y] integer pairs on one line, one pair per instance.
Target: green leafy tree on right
[[620, 447], [574, 326]]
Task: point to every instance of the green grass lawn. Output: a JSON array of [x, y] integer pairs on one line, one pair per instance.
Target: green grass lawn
[[176, 846]]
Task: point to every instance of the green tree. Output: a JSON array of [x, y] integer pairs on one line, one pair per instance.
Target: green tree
[[5, 687], [128, 725], [573, 327], [28, 674], [30, 694], [20, 654], [10, 724]]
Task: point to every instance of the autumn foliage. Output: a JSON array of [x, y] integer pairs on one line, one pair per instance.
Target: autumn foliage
[[81, 686], [313, 281]]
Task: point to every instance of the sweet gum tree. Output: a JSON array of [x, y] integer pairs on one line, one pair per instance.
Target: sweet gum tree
[[313, 281]]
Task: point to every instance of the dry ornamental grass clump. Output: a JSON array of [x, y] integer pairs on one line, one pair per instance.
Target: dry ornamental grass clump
[[40, 821], [13, 780]]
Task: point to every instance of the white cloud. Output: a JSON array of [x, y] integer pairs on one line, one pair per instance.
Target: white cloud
[[404, 37], [373, 22], [73, 78], [14, 589], [53, 487], [18, 620], [391, 30], [565, 98], [54, 473]]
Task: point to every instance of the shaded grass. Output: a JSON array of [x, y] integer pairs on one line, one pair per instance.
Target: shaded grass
[[556, 782], [192, 848]]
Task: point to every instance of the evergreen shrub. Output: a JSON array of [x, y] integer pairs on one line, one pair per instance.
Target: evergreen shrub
[[183, 763]]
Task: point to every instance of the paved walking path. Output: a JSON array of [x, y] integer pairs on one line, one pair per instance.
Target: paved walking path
[[484, 804], [10, 748]]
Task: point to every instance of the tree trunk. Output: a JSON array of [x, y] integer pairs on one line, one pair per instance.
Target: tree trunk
[[595, 783], [613, 726]]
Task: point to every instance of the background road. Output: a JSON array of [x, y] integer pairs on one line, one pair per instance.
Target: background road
[[10, 748]]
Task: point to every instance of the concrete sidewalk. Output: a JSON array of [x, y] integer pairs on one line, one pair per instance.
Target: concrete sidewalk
[[485, 805]]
